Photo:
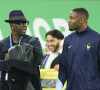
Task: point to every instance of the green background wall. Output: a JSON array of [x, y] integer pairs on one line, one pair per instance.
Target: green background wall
[[47, 14]]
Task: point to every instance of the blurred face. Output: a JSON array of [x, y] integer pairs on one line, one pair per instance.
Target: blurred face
[[19, 28], [53, 43], [74, 21]]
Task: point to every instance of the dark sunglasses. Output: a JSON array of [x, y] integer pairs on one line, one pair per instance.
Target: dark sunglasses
[[21, 23]]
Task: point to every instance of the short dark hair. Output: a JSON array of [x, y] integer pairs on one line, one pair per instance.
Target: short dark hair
[[82, 11], [55, 33]]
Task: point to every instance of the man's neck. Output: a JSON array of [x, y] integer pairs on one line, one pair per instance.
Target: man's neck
[[15, 38], [82, 28]]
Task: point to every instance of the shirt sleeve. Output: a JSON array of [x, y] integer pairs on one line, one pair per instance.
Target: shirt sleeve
[[63, 64], [99, 52], [3, 63]]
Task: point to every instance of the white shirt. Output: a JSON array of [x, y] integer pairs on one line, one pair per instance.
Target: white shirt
[[51, 58]]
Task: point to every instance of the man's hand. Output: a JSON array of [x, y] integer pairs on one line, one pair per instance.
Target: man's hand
[[6, 56], [56, 67]]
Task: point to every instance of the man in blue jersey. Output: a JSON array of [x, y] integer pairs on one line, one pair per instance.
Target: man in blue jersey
[[80, 61]]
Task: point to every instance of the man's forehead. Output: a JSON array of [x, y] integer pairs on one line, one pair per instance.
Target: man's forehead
[[73, 13], [50, 37]]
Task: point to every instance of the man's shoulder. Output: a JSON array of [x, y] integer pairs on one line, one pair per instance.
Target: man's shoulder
[[28, 38], [4, 40], [94, 34], [70, 36]]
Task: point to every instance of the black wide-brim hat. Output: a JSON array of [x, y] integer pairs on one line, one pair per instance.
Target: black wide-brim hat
[[16, 16]]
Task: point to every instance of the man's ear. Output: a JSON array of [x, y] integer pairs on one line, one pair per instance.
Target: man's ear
[[81, 20]]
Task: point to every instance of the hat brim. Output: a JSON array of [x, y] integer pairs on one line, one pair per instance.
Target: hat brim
[[17, 21]]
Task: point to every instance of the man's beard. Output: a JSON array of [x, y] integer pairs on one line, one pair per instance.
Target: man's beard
[[20, 35], [71, 29], [56, 48]]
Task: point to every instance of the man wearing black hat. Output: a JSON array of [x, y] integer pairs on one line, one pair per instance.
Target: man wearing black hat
[[17, 73]]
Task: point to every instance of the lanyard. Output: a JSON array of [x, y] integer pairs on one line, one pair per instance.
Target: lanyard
[[45, 60], [58, 53], [10, 40]]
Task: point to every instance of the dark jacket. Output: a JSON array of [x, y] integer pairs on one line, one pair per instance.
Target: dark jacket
[[80, 59], [22, 57], [15, 75]]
